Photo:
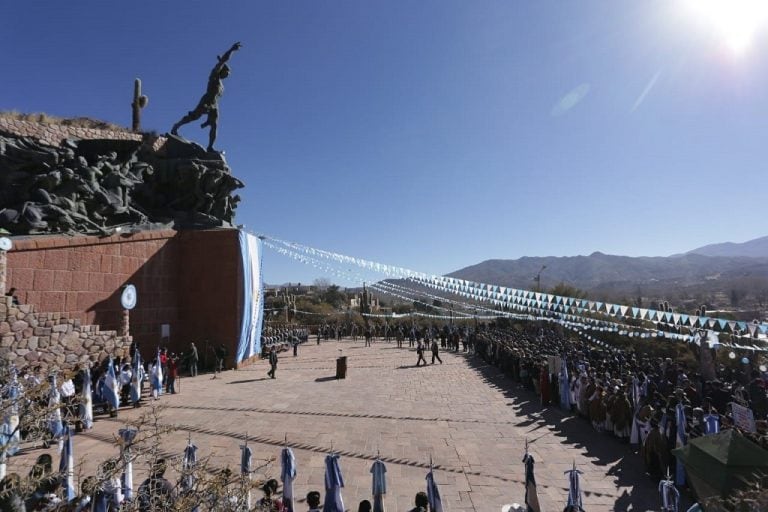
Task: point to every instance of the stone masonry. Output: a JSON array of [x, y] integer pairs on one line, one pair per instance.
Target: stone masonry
[[52, 340], [53, 134]]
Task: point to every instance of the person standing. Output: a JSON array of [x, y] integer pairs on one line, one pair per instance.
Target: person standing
[[156, 492], [435, 352], [193, 359], [420, 352], [164, 366], [221, 355], [173, 373], [421, 501], [272, 362]]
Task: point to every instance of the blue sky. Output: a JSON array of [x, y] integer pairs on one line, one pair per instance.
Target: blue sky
[[434, 134]]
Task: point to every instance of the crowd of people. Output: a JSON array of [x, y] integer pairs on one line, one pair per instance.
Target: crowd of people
[[635, 397], [623, 393]]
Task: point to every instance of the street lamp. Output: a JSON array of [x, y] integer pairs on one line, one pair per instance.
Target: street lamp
[[538, 278]]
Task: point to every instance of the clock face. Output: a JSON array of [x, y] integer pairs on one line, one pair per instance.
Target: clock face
[[5, 244], [128, 298]]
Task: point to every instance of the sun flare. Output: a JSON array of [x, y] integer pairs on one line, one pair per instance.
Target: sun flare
[[735, 21]]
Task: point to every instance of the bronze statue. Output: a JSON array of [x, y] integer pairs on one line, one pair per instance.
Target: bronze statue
[[208, 104], [88, 187]]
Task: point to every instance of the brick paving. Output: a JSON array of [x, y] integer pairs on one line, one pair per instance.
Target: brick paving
[[465, 415]]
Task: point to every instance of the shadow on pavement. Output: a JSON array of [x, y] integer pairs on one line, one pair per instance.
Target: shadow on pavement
[[247, 381], [627, 468]]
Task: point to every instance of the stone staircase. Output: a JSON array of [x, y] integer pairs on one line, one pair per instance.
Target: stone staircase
[[52, 340]]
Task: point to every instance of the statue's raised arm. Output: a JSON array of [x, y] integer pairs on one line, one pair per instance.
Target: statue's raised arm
[[209, 103], [222, 60]]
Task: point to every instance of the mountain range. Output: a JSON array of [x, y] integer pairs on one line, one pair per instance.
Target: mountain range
[[757, 248], [716, 273]]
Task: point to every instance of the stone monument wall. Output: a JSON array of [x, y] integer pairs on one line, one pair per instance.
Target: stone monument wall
[[53, 134], [52, 340], [188, 280]]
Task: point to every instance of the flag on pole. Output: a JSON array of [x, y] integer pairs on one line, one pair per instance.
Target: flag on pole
[[531, 495], [433, 493], [670, 496], [379, 471], [67, 465], [86, 405], [574, 488], [127, 435], [334, 481], [10, 435], [681, 439], [245, 470], [288, 475], [111, 388], [55, 427], [188, 463], [711, 424], [136, 379], [156, 377]]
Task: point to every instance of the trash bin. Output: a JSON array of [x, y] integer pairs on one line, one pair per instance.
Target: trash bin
[[341, 367]]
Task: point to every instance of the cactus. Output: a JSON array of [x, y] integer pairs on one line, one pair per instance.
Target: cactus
[[139, 102]]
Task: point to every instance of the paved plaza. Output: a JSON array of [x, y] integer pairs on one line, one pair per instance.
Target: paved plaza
[[470, 419]]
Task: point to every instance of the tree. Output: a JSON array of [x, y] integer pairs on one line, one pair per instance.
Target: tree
[[334, 296], [322, 283], [566, 290]]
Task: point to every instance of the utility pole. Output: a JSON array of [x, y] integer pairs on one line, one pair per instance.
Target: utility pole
[[538, 278]]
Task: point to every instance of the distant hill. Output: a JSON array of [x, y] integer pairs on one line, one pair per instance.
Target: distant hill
[[757, 248], [683, 278]]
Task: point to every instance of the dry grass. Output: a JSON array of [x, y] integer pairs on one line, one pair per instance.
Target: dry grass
[[80, 122]]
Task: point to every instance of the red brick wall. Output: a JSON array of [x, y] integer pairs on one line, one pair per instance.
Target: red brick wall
[[209, 302], [186, 279]]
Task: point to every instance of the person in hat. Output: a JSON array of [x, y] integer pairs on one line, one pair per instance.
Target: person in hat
[[655, 452]]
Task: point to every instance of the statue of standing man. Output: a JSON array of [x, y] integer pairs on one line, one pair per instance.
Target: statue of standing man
[[208, 104]]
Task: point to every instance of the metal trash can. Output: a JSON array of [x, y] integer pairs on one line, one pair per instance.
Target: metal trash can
[[341, 367]]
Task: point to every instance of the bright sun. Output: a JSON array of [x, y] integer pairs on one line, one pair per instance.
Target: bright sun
[[735, 21]]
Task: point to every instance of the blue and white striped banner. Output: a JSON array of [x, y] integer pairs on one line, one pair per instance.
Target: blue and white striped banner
[[253, 298]]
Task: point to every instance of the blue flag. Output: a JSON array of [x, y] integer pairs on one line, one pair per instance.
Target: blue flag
[[136, 379], [110, 389], [433, 493], [10, 436], [334, 481], [67, 465], [574, 488], [54, 405]]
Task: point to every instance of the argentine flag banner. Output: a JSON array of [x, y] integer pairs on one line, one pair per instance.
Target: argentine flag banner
[[253, 297]]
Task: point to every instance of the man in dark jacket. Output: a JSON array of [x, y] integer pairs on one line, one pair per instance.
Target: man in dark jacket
[[272, 362], [156, 492]]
